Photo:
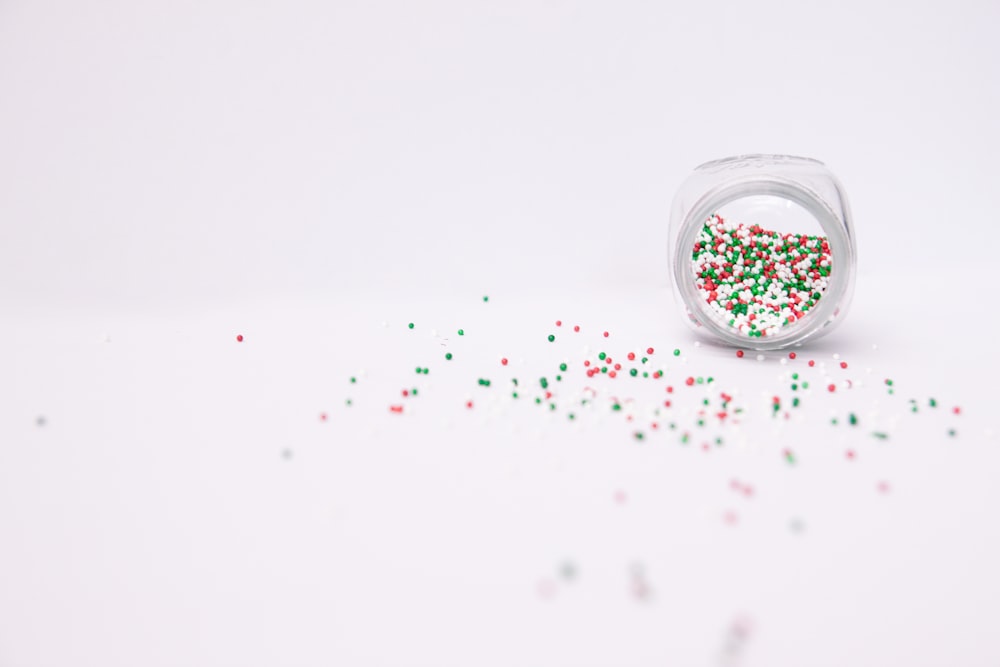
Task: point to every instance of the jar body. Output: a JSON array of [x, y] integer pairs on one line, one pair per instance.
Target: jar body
[[762, 250]]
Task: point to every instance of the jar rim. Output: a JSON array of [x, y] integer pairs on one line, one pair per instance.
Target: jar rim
[[823, 315]]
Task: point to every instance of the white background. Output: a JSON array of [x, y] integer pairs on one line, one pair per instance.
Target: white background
[[172, 174]]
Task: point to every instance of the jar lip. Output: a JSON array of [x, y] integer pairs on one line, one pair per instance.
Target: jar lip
[[765, 158], [842, 251]]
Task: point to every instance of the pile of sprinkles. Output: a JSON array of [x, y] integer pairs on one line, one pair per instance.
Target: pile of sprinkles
[[758, 281]]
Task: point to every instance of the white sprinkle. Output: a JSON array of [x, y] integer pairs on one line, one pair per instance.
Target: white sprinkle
[[760, 357]]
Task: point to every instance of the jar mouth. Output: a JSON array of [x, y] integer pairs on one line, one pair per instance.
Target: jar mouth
[[822, 315]]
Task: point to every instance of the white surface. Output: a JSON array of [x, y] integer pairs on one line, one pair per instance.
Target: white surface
[[174, 174]]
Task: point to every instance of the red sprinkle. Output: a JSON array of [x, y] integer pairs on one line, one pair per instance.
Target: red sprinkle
[[468, 404], [689, 381], [832, 387], [586, 362], [612, 374], [739, 353], [843, 364], [576, 328], [670, 389], [666, 404], [558, 323], [957, 410], [850, 454], [606, 334], [812, 363], [618, 367], [398, 409], [405, 393], [649, 350], [239, 338], [504, 361], [322, 416], [631, 356], [791, 355]]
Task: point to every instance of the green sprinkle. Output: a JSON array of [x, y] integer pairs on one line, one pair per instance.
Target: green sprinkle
[[933, 403], [645, 359], [354, 380], [795, 402], [880, 435], [645, 374], [349, 402], [410, 325], [538, 401], [562, 367], [559, 378], [551, 338], [951, 432], [414, 391], [633, 372], [485, 299], [677, 353], [513, 394], [461, 332], [616, 406], [552, 406], [571, 416], [447, 355], [789, 457], [544, 382], [853, 419], [639, 435], [602, 356]]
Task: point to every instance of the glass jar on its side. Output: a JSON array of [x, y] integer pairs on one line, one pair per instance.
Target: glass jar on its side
[[762, 250]]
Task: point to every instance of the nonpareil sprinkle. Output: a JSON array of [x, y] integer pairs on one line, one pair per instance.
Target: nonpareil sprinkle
[[758, 281]]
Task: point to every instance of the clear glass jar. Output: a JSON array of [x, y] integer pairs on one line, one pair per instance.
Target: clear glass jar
[[762, 250]]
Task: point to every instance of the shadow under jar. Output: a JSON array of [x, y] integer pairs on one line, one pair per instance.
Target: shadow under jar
[[762, 250]]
